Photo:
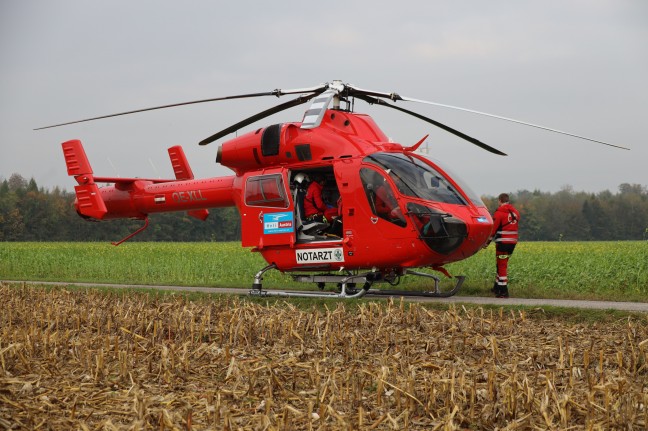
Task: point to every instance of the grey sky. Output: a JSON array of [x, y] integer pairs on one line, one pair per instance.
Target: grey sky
[[577, 66]]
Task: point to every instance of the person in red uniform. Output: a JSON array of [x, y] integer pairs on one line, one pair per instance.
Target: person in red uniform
[[314, 206], [505, 234]]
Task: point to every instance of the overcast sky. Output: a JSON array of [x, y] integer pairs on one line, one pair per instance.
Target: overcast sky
[[575, 65]]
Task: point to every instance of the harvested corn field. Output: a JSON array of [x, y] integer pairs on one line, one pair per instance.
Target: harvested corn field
[[86, 359]]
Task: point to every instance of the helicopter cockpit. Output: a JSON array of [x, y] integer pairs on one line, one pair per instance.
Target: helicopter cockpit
[[418, 181]]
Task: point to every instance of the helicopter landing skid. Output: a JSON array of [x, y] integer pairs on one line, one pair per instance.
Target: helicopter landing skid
[[345, 282], [436, 293], [347, 286]]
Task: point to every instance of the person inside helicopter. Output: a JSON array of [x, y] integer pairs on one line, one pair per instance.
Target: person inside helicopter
[[316, 216], [315, 208], [386, 203], [381, 197]]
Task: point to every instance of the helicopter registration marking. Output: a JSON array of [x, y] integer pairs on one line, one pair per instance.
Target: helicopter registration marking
[[188, 196], [318, 255]]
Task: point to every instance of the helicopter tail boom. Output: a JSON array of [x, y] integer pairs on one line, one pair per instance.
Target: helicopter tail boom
[[139, 197]]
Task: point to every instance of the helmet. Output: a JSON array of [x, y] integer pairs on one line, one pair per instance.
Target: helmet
[[300, 177]]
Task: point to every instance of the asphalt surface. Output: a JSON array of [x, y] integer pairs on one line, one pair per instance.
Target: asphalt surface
[[565, 303]]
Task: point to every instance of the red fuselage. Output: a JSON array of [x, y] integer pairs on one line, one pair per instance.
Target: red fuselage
[[432, 220]]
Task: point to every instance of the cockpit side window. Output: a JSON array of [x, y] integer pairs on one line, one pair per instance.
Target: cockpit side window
[[381, 197]]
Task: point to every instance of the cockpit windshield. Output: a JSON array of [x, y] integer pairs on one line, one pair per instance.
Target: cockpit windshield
[[415, 178], [474, 197]]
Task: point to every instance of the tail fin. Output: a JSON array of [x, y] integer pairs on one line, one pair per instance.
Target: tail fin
[[89, 202], [183, 171], [180, 164], [75, 158]]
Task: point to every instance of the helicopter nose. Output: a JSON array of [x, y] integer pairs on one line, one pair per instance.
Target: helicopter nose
[[444, 233], [441, 231]]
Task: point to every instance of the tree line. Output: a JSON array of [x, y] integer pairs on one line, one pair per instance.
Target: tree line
[[32, 213], [579, 216]]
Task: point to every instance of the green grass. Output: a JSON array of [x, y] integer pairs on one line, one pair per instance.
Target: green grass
[[585, 270]]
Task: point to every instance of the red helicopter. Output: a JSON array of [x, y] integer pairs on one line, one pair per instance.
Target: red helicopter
[[390, 210]]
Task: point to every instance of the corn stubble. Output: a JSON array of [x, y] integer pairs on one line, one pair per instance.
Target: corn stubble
[[99, 361]]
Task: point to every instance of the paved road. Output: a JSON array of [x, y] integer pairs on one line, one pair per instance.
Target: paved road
[[567, 303]]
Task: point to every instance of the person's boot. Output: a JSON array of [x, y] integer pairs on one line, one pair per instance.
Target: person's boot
[[503, 292]]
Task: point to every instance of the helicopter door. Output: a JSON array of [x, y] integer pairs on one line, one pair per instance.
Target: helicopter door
[[268, 216], [386, 212]]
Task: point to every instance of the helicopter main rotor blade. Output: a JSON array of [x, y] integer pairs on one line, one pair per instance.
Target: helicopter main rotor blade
[[173, 105], [373, 100], [513, 120], [396, 97], [276, 92], [256, 117]]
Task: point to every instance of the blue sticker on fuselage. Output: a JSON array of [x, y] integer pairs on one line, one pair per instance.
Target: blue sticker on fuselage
[[278, 223]]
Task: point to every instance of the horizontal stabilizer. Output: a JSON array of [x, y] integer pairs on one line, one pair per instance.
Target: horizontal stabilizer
[[125, 181], [77, 164]]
